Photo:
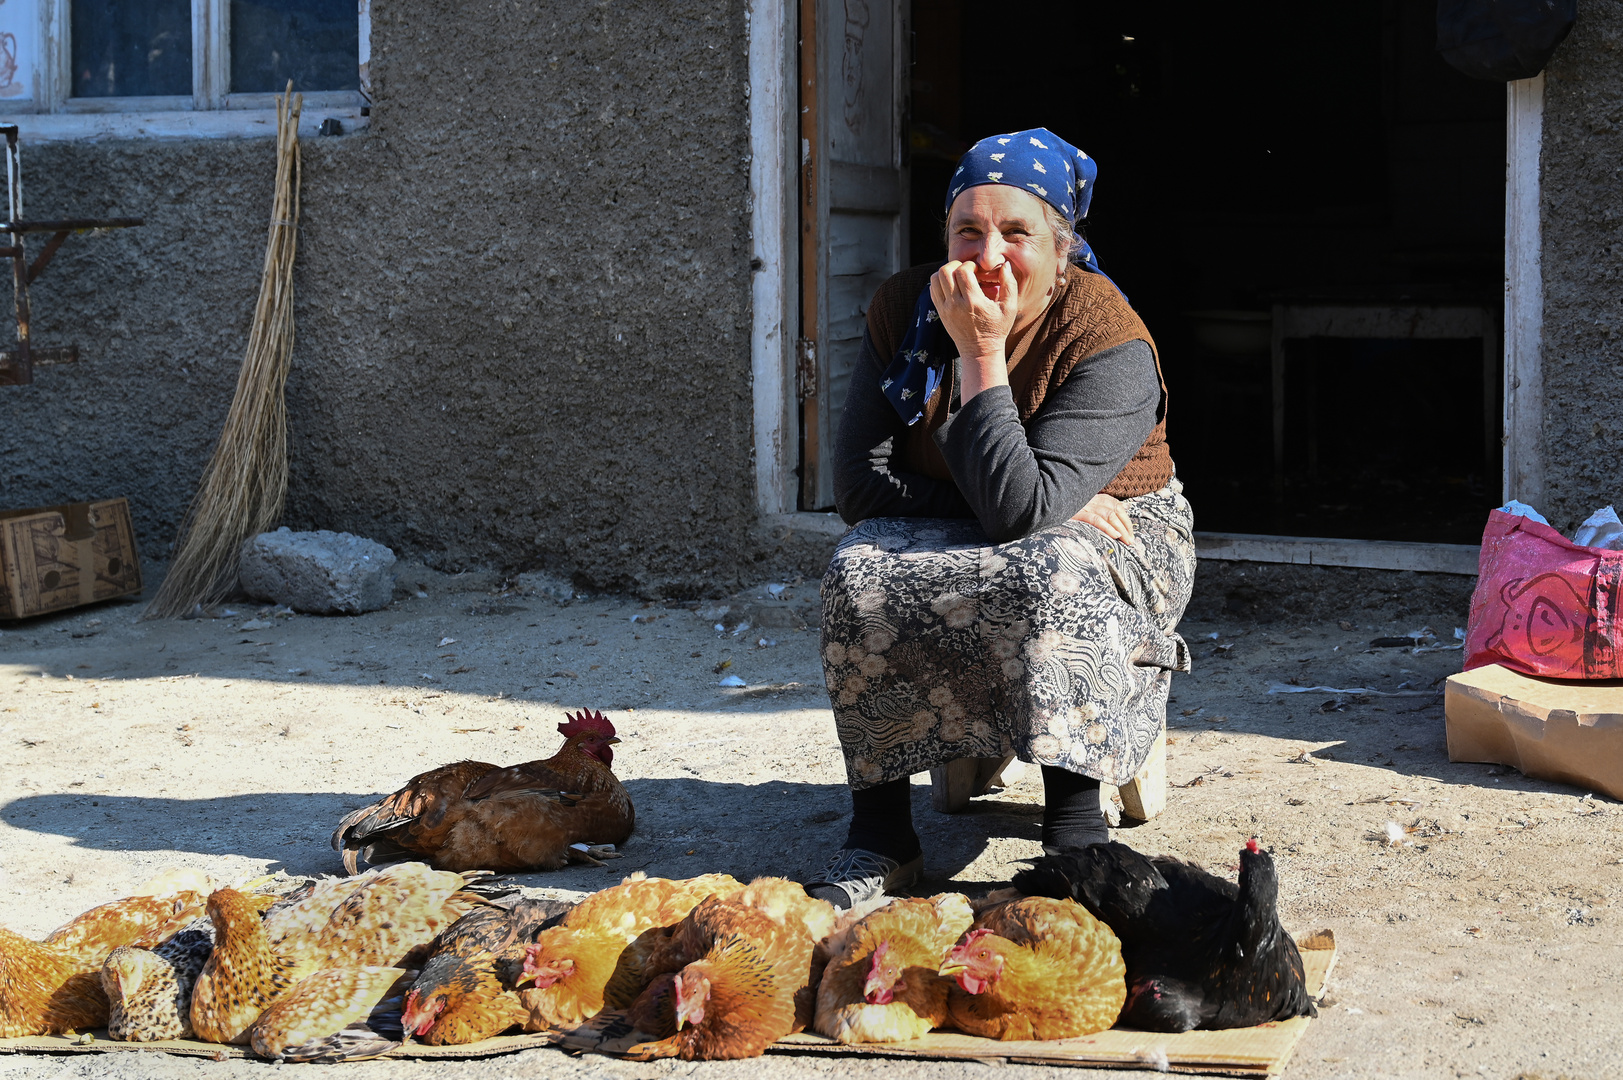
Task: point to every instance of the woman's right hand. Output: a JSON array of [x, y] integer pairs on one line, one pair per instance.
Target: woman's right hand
[[1109, 515], [978, 325]]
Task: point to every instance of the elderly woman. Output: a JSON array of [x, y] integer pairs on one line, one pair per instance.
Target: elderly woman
[[1021, 550]]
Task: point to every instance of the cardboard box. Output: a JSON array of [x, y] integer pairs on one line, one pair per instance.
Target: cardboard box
[[1552, 729], [57, 557]]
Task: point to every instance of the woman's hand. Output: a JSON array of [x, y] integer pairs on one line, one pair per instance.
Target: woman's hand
[[1109, 516], [979, 324]]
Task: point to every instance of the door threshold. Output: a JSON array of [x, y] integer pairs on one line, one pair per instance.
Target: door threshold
[[1253, 547], [1326, 551]]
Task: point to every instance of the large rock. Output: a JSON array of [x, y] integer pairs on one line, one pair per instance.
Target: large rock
[[322, 572]]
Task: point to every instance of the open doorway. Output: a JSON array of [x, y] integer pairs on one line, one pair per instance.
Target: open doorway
[[1303, 202]]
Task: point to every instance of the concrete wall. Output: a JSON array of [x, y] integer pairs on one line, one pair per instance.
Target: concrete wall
[[523, 301], [1581, 186]]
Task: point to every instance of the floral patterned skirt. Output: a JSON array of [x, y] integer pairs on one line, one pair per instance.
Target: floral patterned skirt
[[1059, 647]]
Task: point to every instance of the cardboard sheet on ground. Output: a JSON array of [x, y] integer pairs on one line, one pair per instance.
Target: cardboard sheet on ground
[[1257, 1051]]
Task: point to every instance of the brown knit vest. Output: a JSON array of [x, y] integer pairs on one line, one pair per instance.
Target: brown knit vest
[[1088, 316]]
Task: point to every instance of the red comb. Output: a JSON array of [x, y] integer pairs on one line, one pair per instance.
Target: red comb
[[585, 722], [1251, 846]]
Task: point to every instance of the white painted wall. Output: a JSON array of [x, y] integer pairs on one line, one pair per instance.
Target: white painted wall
[[19, 49]]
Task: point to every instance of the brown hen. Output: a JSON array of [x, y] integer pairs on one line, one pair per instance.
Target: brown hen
[[465, 992], [472, 815], [1035, 968], [882, 983]]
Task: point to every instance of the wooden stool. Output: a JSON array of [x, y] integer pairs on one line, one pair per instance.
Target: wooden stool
[[952, 785], [1145, 796]]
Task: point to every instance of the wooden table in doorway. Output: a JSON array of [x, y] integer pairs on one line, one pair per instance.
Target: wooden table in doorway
[[1397, 321]]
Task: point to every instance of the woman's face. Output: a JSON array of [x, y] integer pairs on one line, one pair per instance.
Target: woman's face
[[991, 224]]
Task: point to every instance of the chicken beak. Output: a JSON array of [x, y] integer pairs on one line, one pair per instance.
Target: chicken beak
[[612, 741], [951, 969]]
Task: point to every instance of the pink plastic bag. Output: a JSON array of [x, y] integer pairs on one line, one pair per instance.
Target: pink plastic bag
[[1544, 605]]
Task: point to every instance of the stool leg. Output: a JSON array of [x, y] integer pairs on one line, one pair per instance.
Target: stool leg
[[1145, 795], [952, 785]]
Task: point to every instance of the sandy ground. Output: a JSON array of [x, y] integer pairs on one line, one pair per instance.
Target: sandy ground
[[1481, 945]]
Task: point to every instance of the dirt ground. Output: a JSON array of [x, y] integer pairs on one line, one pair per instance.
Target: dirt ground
[[1479, 945]]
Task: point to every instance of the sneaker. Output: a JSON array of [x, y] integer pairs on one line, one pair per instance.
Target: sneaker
[[863, 875]]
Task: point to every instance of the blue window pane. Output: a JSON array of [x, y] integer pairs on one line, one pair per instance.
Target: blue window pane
[[131, 48], [316, 43]]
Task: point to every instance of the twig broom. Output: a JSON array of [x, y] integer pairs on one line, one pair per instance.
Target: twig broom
[[245, 482]]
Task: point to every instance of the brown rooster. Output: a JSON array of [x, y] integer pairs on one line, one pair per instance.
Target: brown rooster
[[465, 992], [747, 981], [1035, 968], [389, 919], [472, 815], [599, 954], [882, 982], [45, 990]]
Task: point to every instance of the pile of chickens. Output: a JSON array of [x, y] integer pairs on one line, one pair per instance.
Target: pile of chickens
[[426, 948], [704, 968]]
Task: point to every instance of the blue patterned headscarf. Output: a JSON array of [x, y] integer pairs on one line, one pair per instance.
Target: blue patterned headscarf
[[1035, 160]]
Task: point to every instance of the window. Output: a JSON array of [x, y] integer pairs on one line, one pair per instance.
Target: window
[[74, 68]]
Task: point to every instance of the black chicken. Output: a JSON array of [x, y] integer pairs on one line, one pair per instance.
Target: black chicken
[[1200, 952]]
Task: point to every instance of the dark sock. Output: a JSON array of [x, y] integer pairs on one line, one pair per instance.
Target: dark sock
[[881, 822], [1072, 818]]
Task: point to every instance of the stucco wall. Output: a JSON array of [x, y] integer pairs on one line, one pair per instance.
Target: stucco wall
[[1581, 186], [523, 301]]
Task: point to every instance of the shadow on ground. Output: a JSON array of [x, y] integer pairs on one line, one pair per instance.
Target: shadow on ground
[[684, 827]]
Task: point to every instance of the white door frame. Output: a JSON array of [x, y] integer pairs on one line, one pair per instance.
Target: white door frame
[[775, 290], [774, 175], [1524, 293]]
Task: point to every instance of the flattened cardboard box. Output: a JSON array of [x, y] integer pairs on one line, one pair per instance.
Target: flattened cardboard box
[[57, 557], [1258, 1051], [1552, 729]]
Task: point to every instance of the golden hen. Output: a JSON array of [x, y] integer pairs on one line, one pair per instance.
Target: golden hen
[[744, 983], [56, 985], [1035, 968], [599, 954], [472, 815], [882, 983], [141, 921], [45, 990], [341, 1014]]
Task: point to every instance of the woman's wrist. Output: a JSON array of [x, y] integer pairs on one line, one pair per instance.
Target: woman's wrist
[[980, 372]]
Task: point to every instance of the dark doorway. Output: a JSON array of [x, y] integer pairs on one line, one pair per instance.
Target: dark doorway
[[1256, 164]]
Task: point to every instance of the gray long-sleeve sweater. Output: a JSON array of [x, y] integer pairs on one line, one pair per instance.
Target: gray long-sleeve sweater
[[1013, 478]]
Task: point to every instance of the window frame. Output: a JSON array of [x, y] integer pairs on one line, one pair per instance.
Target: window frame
[[211, 110]]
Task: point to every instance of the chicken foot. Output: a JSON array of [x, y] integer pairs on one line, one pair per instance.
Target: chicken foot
[[591, 854]]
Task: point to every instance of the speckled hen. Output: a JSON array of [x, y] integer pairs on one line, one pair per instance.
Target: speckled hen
[[149, 991]]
